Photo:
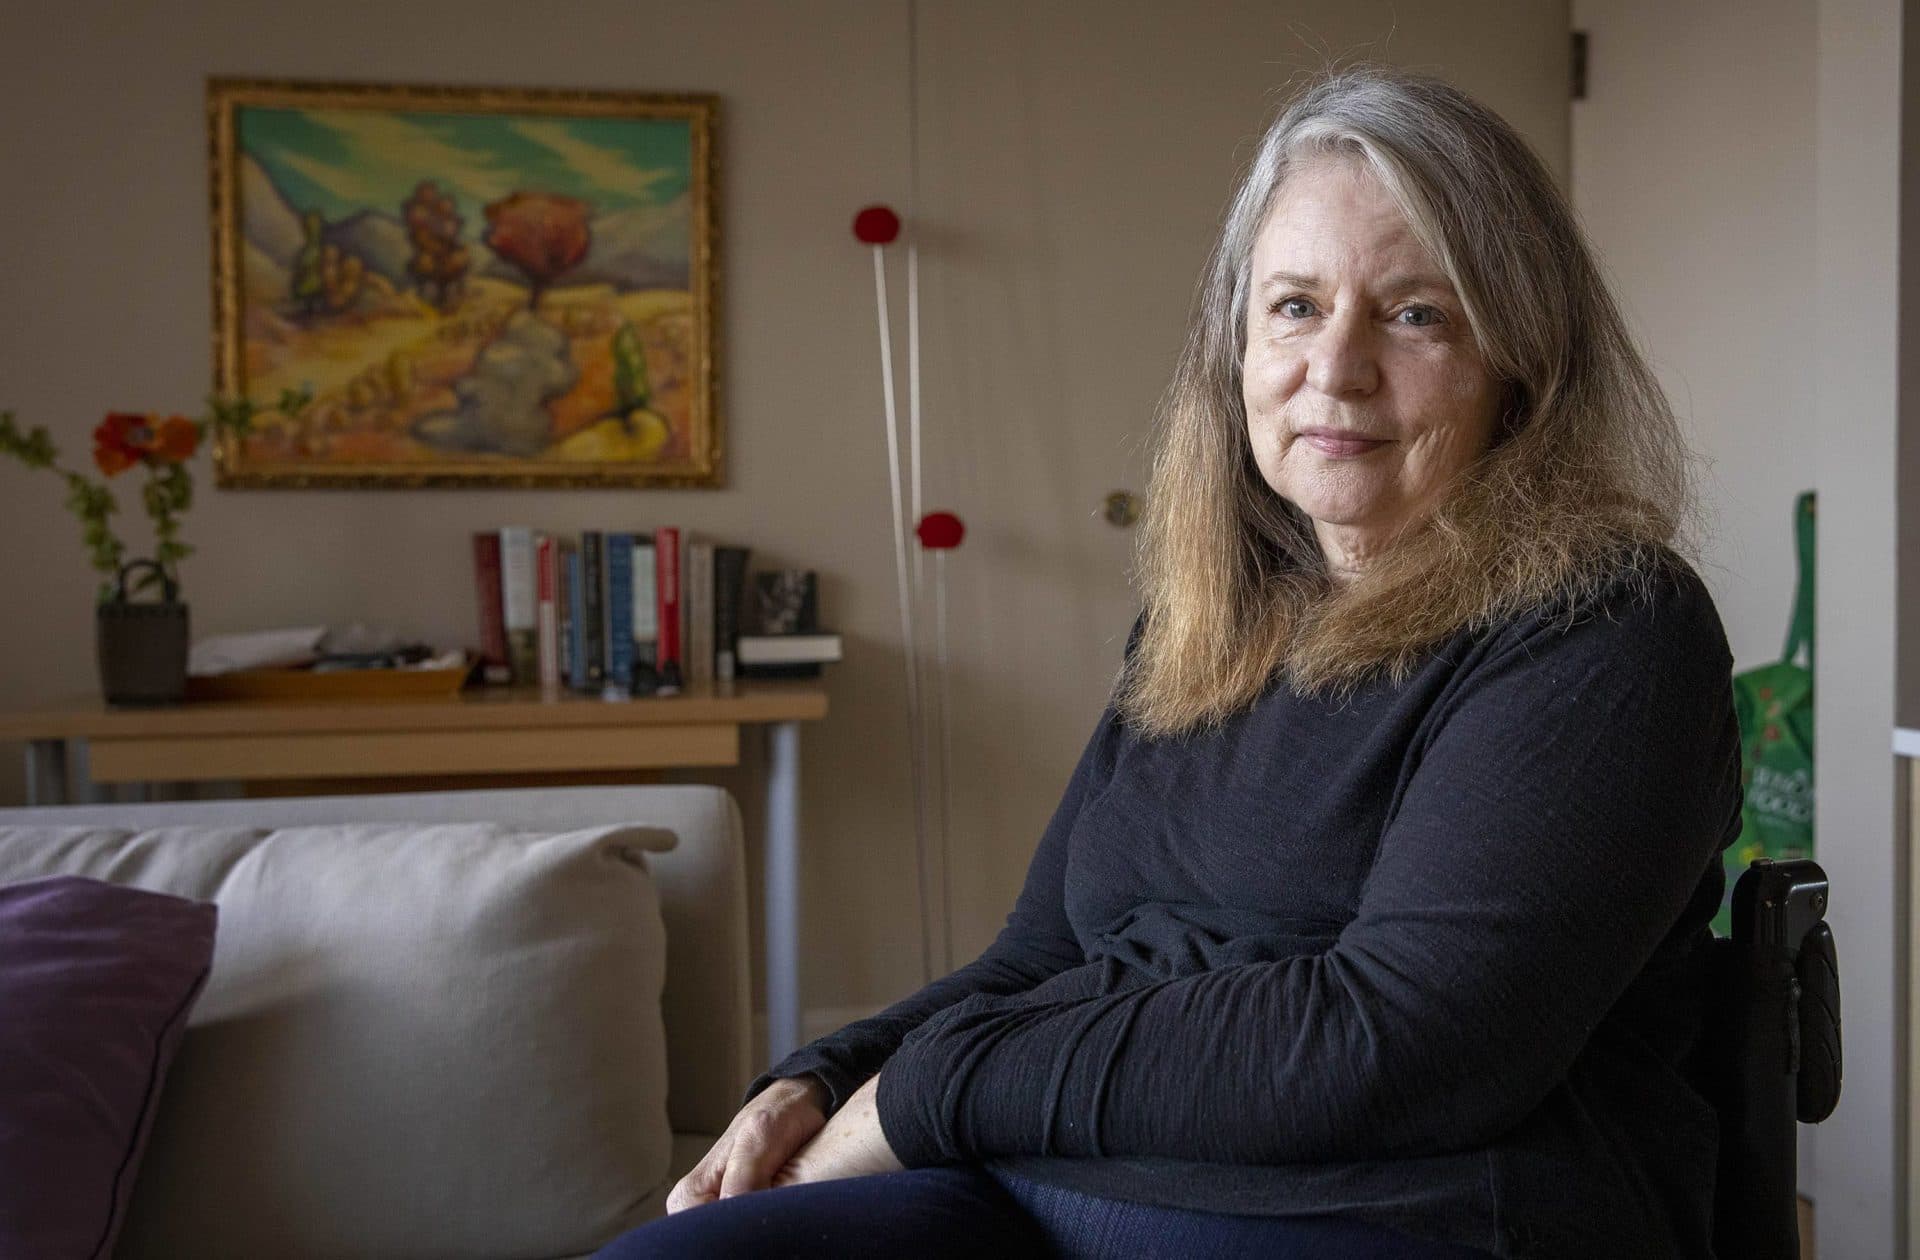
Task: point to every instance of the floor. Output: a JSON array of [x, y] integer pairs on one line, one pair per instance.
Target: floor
[[1806, 1230]]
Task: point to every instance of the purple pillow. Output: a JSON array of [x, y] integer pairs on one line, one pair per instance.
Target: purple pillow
[[95, 984]]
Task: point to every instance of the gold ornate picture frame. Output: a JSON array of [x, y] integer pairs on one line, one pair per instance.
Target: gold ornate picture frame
[[474, 286]]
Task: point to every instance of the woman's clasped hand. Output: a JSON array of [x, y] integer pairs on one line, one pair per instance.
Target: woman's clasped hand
[[782, 1137]]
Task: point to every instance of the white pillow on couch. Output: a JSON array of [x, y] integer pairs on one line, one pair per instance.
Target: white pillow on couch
[[417, 1040]]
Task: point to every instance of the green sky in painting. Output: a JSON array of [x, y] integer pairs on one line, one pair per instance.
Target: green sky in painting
[[340, 161]]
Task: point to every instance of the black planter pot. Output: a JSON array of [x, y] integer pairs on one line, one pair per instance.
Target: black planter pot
[[142, 647]]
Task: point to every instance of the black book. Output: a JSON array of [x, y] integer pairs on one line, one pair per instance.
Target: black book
[[593, 581], [800, 669], [786, 601], [729, 591]]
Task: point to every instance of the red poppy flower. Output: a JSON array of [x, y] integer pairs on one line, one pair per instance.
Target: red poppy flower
[[120, 441], [113, 460], [175, 440]]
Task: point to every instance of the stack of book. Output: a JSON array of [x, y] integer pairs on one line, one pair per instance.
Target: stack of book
[[608, 613], [786, 639]]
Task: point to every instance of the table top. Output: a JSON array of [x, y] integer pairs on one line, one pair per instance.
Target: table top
[[477, 708]]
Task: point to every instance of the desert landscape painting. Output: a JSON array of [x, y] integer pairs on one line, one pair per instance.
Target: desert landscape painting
[[469, 287]]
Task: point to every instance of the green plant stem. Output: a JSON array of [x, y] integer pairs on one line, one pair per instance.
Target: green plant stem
[[167, 494]]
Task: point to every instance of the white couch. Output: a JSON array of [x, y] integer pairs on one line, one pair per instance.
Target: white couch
[[700, 884]]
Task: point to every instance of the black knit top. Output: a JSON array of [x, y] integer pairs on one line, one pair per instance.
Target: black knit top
[[1429, 957]]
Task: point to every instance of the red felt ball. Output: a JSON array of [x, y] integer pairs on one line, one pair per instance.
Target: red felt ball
[[940, 531], [876, 225]]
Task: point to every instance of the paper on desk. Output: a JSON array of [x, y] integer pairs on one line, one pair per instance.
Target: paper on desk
[[255, 649]]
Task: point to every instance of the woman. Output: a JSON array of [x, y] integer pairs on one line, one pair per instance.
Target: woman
[[1371, 921]]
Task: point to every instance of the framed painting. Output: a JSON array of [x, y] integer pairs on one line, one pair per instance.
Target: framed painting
[[470, 286]]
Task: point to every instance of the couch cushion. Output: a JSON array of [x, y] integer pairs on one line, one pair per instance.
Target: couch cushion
[[95, 985], [416, 1040]]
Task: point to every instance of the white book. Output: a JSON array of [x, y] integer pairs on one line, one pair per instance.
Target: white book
[[646, 608], [789, 649], [519, 594]]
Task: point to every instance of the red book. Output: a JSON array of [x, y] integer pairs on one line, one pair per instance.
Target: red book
[[496, 663], [666, 550], [546, 567]]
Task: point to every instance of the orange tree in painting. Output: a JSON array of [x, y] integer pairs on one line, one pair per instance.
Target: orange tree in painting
[[439, 261], [545, 235]]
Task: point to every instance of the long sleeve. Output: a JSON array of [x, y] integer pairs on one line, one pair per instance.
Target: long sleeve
[[1037, 942], [1560, 817]]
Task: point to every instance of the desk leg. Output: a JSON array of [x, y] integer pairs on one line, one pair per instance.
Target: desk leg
[[90, 793], [782, 900], [47, 772]]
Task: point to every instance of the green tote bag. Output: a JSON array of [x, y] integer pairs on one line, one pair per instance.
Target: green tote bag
[[1775, 706]]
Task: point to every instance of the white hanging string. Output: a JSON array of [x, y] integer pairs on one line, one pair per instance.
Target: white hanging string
[[918, 502], [915, 722], [913, 268], [945, 814]]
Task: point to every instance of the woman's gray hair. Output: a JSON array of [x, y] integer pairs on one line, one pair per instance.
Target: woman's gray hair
[[1586, 478]]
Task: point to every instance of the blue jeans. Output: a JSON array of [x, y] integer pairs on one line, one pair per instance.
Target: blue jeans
[[933, 1213]]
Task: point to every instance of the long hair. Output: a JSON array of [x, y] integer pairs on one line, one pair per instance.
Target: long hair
[[1586, 477]]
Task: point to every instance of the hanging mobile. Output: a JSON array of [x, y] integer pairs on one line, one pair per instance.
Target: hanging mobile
[[878, 226], [940, 533]]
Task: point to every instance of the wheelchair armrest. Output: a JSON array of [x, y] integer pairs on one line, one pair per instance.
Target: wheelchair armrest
[[1779, 913], [1772, 1051]]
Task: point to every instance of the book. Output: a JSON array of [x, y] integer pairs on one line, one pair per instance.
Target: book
[[565, 557], [593, 577], [575, 617], [788, 669], [729, 582], [698, 597], [617, 604], [666, 563], [517, 597], [547, 610], [646, 619], [632, 613], [786, 602], [789, 649], [495, 664]]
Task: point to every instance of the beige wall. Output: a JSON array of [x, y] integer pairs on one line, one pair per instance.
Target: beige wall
[[1865, 49], [1693, 160], [1864, 139], [1736, 165], [1076, 156]]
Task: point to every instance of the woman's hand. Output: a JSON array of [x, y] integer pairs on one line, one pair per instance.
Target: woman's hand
[[775, 1123], [851, 1145]]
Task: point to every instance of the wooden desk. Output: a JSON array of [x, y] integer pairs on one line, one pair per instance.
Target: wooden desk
[[479, 732]]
